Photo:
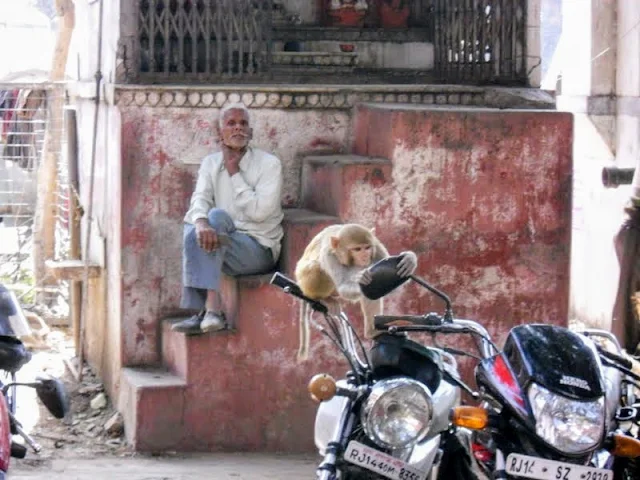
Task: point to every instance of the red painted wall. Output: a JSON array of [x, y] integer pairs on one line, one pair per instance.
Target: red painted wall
[[161, 151], [483, 197]]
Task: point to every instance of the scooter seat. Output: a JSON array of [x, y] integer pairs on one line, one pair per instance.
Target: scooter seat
[[13, 354]]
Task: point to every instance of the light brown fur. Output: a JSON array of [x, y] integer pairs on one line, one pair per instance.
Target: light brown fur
[[326, 272]]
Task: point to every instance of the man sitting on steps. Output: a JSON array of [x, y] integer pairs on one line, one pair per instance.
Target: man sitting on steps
[[234, 222]]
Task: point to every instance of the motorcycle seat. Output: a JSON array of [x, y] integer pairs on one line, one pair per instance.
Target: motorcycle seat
[[13, 354]]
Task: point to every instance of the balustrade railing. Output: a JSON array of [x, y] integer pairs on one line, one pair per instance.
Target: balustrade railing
[[203, 38], [475, 41]]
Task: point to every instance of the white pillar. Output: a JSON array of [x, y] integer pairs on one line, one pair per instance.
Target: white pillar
[[628, 89], [534, 46]]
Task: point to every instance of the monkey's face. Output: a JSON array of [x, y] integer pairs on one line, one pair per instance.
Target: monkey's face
[[361, 254], [235, 130]]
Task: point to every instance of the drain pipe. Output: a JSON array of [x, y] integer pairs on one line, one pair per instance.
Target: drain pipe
[[85, 284], [635, 189], [613, 177]]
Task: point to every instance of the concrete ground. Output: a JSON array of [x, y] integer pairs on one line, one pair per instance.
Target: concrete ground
[[213, 466]]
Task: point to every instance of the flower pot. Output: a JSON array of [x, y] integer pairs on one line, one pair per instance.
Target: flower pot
[[393, 13], [347, 17]]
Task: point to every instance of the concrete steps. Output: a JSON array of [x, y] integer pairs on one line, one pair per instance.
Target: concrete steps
[[328, 181], [236, 390], [152, 402], [481, 195]]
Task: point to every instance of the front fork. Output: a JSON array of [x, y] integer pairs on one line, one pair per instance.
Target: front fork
[[328, 470], [500, 469]]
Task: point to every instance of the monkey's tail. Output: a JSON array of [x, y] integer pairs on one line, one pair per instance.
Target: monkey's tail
[[303, 323]]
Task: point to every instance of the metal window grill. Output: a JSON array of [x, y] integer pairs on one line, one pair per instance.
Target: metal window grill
[[203, 39], [481, 41], [475, 41], [26, 120]]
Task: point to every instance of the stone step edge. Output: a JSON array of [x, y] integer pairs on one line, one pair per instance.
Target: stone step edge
[[152, 377], [295, 216], [343, 160], [177, 318]]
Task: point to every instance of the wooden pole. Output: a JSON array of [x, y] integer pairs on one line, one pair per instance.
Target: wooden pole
[[74, 218], [45, 217]]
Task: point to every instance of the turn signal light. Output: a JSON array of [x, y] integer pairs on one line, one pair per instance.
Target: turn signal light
[[624, 446], [475, 418], [322, 387]]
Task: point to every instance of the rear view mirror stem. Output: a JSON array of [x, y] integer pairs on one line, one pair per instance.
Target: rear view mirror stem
[[448, 314], [5, 389]]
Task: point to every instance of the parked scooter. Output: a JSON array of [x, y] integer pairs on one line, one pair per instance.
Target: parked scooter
[[389, 417], [13, 356]]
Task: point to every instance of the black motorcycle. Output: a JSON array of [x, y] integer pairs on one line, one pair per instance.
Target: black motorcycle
[[548, 409], [548, 403]]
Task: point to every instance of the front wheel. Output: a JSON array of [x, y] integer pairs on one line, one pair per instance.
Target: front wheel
[[626, 469], [360, 475]]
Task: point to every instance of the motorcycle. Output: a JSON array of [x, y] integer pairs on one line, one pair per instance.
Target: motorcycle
[[548, 405], [389, 417], [622, 385], [13, 356]]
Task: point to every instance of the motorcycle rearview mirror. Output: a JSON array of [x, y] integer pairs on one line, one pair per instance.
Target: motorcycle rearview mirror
[[384, 278], [53, 395]]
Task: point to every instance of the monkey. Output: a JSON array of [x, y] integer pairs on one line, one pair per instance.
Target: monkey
[[334, 265]]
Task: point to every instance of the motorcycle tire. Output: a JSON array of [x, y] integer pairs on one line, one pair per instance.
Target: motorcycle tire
[[355, 473], [456, 463], [626, 469]]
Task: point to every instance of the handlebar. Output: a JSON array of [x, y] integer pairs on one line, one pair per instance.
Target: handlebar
[[456, 326], [291, 287], [384, 322], [431, 322], [626, 363]]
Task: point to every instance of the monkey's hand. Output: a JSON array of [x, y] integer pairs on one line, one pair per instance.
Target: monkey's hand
[[364, 277], [407, 265]]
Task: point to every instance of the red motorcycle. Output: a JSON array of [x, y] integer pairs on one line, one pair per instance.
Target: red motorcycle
[[13, 356]]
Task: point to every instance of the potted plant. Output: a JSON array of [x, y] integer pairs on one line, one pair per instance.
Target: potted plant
[[347, 13], [393, 13]]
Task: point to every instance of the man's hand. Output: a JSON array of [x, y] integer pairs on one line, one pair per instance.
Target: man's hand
[[206, 235]]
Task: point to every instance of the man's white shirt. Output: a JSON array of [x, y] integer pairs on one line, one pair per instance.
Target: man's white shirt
[[252, 197]]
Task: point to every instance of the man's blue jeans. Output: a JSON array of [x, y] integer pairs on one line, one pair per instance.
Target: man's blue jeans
[[201, 271]]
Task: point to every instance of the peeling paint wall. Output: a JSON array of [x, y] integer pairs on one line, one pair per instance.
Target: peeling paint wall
[[103, 313], [484, 198], [161, 150]]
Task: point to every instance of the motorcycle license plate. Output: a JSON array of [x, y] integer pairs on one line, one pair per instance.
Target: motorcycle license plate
[[524, 466], [381, 463]]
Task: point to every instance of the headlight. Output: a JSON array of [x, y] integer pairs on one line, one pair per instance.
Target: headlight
[[397, 413], [568, 425]]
